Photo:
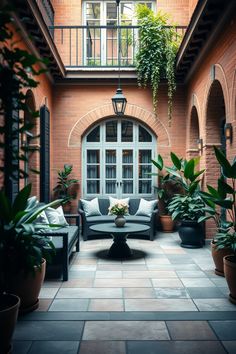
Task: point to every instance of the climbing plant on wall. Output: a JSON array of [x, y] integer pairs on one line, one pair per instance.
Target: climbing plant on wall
[[155, 59]]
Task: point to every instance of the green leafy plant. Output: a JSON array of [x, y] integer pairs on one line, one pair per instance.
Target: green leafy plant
[[224, 196], [22, 247], [17, 71], [190, 205], [168, 186], [64, 184], [155, 59]]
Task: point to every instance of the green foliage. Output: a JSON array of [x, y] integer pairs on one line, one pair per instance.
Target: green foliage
[[64, 184], [224, 196], [158, 45], [22, 247], [17, 72], [186, 207]]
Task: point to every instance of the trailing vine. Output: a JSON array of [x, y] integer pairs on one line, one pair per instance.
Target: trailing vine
[[155, 59]]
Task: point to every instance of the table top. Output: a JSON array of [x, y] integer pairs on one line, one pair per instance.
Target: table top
[[111, 228]]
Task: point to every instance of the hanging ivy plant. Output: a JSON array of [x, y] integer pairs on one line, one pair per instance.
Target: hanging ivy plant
[[155, 59]]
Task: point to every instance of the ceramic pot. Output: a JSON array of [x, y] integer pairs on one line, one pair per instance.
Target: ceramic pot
[[230, 276], [191, 234], [120, 221], [27, 287], [218, 256], [167, 223], [9, 306]]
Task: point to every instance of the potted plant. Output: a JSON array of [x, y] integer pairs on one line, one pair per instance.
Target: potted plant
[[188, 207], [225, 197], [157, 48], [22, 249], [119, 209], [168, 186], [64, 187]]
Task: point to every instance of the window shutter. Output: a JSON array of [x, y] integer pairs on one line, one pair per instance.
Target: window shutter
[[44, 154]]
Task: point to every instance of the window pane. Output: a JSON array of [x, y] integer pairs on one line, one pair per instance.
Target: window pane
[[145, 156], [93, 187], [127, 187], [93, 10], [94, 135], [111, 131], [110, 187], [110, 156], [144, 135], [111, 10], [144, 170], [127, 171], [126, 131], [93, 156], [93, 171], [127, 156], [145, 187]]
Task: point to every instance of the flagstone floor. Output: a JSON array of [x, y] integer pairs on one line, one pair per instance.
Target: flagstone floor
[[167, 301]]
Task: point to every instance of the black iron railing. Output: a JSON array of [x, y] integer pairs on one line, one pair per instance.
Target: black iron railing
[[47, 11], [97, 46]]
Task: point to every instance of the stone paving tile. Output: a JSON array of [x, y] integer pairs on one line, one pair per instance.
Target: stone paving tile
[[140, 293], [149, 274], [54, 347], [205, 293], [191, 274], [77, 274], [48, 330], [44, 304], [174, 251], [52, 284], [79, 293], [21, 347], [197, 282], [69, 305], [108, 274], [190, 330], [167, 283], [125, 330], [175, 347], [123, 283], [220, 281], [214, 305], [106, 305], [89, 261], [225, 330], [78, 283], [159, 305], [153, 261], [230, 346], [48, 293], [102, 347], [83, 267], [112, 267], [171, 293]]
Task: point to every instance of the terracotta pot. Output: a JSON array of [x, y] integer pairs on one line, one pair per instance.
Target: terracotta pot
[[9, 307], [167, 223], [27, 287], [218, 256], [230, 276]]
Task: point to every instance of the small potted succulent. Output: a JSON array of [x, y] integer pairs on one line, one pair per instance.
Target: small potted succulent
[[188, 207], [119, 209]]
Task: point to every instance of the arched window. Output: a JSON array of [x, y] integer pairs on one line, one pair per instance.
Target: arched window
[[117, 159]]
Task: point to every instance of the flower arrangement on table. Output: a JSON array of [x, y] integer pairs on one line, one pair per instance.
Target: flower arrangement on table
[[119, 209]]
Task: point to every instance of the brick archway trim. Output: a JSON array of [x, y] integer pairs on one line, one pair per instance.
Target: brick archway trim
[[219, 76], [233, 99], [194, 103], [132, 111]]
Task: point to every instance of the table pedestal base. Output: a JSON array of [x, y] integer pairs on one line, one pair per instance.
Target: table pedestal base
[[119, 248]]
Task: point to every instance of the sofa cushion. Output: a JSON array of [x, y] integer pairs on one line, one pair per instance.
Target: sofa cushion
[[91, 207], [138, 219], [72, 235], [146, 207], [56, 216], [101, 219]]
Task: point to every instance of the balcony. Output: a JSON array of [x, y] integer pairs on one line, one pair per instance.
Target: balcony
[[97, 46]]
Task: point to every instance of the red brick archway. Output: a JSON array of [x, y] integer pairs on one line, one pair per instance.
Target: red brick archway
[[193, 134]]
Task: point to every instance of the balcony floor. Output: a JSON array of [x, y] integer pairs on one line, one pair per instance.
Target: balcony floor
[[167, 301]]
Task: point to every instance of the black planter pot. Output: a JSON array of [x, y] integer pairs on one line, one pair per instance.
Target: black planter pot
[[191, 234]]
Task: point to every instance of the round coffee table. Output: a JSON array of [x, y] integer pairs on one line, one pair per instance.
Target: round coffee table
[[119, 248]]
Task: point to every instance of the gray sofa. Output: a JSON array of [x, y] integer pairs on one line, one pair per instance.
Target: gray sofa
[[64, 240], [87, 221]]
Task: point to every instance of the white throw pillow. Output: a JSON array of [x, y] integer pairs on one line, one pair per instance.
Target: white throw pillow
[[146, 207], [91, 207], [114, 201], [42, 218], [56, 216]]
